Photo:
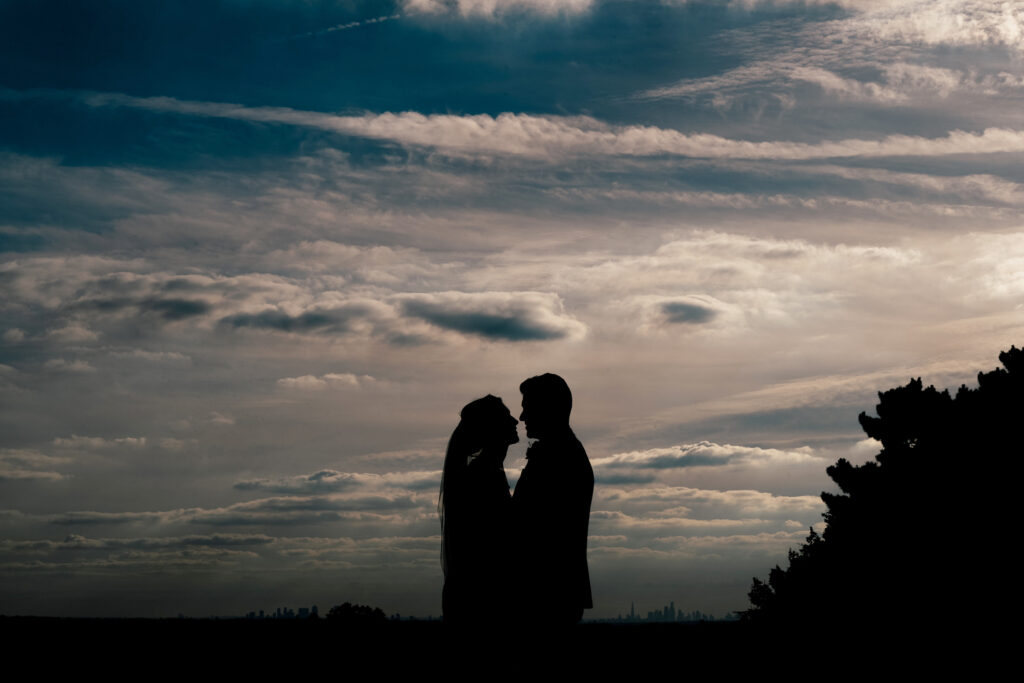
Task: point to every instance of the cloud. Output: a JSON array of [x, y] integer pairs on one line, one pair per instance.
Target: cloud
[[623, 479], [496, 8], [19, 465], [176, 309], [399, 318], [12, 474], [878, 54], [904, 77], [334, 379], [329, 321], [73, 333], [901, 83], [762, 73], [30, 458], [976, 188], [825, 389], [152, 356], [324, 481], [284, 511], [905, 82], [91, 518], [705, 454], [551, 137], [945, 22], [343, 27], [306, 509], [660, 504], [98, 442], [693, 312], [505, 316], [846, 87], [84, 543], [166, 309], [332, 481], [725, 200], [72, 366], [668, 550], [380, 264]]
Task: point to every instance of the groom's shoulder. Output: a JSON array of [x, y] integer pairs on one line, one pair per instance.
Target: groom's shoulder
[[577, 445], [576, 455]]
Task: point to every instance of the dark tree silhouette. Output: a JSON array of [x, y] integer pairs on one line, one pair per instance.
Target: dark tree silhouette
[[920, 533], [349, 614]]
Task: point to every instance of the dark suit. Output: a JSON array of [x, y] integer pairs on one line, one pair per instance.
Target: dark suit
[[551, 511]]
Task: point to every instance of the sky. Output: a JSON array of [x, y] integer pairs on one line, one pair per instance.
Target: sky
[[255, 256]]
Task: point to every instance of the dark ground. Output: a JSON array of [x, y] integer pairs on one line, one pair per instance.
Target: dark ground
[[259, 648], [318, 646]]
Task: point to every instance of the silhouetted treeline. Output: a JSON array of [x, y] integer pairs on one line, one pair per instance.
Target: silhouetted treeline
[[349, 614], [922, 533]]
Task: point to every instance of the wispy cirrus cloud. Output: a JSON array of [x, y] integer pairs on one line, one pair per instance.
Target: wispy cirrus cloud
[[885, 53], [342, 27], [496, 8], [545, 137]]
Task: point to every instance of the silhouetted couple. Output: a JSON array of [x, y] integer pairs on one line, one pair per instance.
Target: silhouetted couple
[[524, 557]]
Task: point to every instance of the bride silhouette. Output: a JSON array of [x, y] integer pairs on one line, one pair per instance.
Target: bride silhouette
[[475, 510]]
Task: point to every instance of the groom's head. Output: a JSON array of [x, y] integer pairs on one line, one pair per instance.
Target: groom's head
[[547, 403]]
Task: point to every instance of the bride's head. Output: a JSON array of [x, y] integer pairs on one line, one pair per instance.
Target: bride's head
[[485, 422], [486, 428]]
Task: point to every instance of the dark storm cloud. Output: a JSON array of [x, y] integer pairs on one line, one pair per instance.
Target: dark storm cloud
[[176, 309], [77, 291], [483, 324], [336, 321], [106, 304], [94, 518], [513, 317], [687, 312]]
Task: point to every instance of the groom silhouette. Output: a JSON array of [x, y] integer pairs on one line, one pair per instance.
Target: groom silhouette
[[551, 507]]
